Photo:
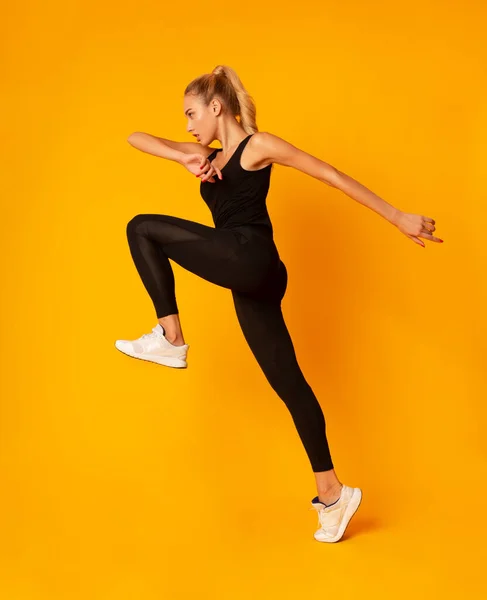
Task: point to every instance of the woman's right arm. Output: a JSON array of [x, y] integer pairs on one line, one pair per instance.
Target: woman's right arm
[[165, 148]]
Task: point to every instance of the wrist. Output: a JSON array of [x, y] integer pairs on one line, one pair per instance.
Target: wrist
[[179, 156], [395, 214]]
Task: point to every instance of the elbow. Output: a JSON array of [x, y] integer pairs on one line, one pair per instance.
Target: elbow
[[332, 177], [132, 137]]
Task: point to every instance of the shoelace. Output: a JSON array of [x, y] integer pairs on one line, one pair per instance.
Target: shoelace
[[153, 334]]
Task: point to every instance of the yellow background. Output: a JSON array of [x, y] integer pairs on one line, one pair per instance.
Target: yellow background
[[124, 480]]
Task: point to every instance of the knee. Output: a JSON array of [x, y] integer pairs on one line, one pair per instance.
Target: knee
[[137, 224], [288, 381]]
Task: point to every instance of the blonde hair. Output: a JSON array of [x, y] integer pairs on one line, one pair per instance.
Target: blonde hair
[[224, 83]]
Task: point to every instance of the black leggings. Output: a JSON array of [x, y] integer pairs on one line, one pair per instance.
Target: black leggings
[[246, 261]]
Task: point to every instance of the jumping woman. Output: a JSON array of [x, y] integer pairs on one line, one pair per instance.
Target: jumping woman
[[239, 254]]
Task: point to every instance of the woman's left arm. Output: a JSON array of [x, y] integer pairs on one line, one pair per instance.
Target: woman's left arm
[[274, 149]]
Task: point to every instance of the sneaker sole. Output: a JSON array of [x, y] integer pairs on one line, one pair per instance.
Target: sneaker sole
[[351, 509], [167, 361]]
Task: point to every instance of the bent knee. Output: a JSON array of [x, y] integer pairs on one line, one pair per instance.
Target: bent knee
[[138, 224]]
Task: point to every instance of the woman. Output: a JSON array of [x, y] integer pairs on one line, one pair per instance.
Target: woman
[[239, 253]]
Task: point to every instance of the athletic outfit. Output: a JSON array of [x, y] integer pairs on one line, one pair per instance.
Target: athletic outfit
[[239, 253]]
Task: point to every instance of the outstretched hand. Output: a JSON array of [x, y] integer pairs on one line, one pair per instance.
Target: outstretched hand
[[200, 166], [416, 226]]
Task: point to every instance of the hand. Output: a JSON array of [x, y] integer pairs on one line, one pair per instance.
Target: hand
[[416, 226], [200, 166]]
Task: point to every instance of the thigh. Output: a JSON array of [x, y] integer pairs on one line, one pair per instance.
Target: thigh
[[264, 328], [217, 255]]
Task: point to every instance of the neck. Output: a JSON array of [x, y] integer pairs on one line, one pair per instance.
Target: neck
[[230, 137]]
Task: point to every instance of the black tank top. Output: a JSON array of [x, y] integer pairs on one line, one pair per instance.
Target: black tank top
[[240, 197]]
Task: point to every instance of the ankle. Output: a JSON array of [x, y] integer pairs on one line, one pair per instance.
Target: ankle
[[330, 494], [175, 340]]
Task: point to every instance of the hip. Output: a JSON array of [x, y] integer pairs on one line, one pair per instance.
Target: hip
[[254, 233], [260, 251]]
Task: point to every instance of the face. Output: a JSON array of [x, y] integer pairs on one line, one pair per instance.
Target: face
[[201, 118]]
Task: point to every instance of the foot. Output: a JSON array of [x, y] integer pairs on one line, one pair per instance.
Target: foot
[[155, 347], [334, 518]]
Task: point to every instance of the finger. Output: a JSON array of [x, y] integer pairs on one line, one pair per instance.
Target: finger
[[202, 161], [416, 240], [429, 220], [209, 175], [205, 173], [218, 172], [428, 227], [432, 238], [203, 170]]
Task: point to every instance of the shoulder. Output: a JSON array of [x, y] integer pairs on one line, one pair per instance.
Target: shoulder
[[271, 148], [259, 153]]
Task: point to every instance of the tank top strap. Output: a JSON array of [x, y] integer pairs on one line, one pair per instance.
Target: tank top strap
[[246, 140], [234, 161], [242, 145]]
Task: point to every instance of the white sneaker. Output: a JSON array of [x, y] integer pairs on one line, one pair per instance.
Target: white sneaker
[[334, 518], [154, 347]]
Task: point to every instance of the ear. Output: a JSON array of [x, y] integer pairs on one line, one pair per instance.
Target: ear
[[215, 106]]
